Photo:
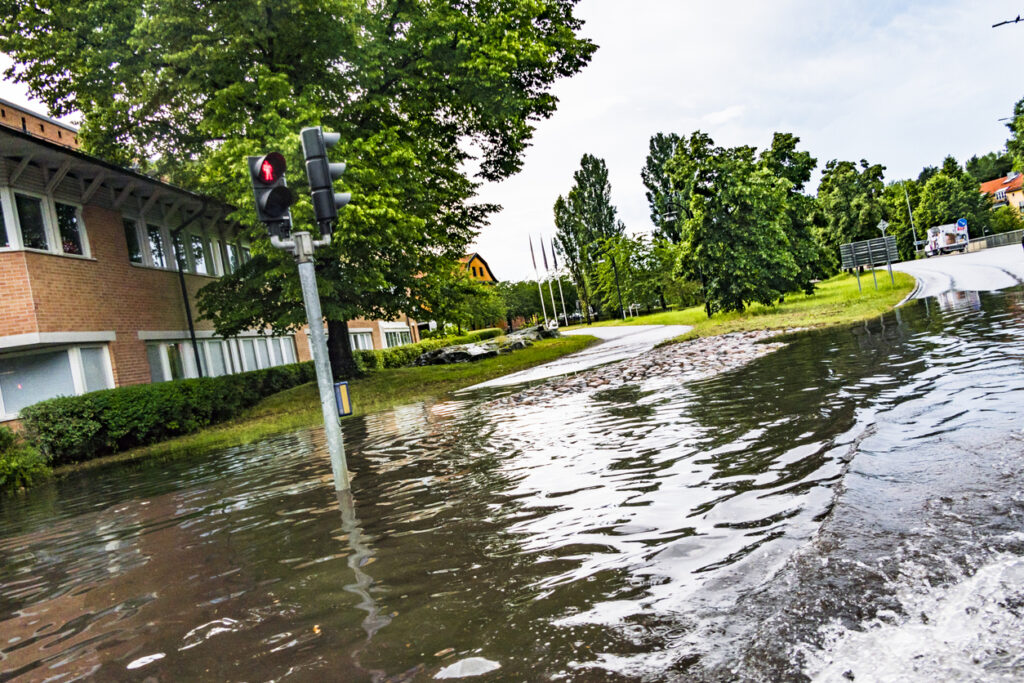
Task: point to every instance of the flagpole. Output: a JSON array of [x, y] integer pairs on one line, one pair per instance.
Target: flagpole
[[540, 290], [547, 272], [561, 296]]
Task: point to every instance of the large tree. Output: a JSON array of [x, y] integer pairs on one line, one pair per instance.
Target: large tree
[[784, 160], [849, 206], [665, 203], [584, 219], [736, 240], [188, 89], [989, 166], [952, 194]]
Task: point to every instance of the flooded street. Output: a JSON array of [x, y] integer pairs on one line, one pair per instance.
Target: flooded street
[[850, 507]]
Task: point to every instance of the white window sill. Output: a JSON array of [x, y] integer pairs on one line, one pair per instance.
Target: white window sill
[[44, 252], [170, 270]]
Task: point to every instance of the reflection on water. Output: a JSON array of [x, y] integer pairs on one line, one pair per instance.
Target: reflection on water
[[774, 522]]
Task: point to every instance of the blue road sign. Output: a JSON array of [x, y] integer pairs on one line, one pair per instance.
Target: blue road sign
[[962, 223]]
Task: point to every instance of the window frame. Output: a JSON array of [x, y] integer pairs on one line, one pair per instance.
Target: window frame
[[74, 355], [51, 229]]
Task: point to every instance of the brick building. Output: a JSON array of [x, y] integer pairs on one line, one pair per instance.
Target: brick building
[[90, 293]]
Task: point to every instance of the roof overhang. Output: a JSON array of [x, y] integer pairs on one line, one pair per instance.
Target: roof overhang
[[94, 174]]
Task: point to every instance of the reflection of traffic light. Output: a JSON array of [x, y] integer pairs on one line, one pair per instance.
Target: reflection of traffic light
[[270, 190], [321, 174]]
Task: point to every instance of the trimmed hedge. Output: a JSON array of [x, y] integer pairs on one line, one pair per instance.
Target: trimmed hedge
[[400, 356], [77, 428], [20, 464]]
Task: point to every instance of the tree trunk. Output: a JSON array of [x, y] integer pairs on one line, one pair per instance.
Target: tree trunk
[[339, 351]]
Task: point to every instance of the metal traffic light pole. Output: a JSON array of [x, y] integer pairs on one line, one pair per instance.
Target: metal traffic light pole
[[273, 200], [303, 245]]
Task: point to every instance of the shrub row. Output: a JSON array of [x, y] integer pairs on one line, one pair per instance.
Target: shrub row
[[400, 356], [77, 428], [20, 464]]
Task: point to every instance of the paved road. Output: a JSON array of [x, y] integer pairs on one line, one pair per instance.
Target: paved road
[[979, 271], [618, 343]]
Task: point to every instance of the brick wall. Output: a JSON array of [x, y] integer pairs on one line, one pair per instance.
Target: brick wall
[[22, 119], [17, 315], [108, 292]]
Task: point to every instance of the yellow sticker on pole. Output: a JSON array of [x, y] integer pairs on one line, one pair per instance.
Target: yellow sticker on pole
[[341, 397]]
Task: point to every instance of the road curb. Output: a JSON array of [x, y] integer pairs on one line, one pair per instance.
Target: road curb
[[913, 292]]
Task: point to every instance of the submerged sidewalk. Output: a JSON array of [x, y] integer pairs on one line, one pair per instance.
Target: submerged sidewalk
[[618, 343]]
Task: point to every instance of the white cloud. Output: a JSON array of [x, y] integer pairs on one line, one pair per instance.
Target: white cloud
[[897, 83]]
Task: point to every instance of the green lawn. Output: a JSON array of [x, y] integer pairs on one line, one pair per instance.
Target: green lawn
[[300, 406], [835, 301]]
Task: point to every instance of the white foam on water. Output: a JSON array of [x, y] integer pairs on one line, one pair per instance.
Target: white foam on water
[[465, 668], [970, 631], [143, 661]]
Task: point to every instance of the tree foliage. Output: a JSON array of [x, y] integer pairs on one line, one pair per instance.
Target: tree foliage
[[1015, 145], [666, 204], [736, 238], [895, 198], [952, 194], [189, 89], [989, 166], [639, 267], [584, 219], [849, 206]]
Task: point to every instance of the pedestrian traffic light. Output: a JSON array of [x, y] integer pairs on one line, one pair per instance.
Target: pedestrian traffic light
[[270, 190], [321, 174]]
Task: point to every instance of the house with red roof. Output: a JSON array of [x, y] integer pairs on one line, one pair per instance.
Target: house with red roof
[[1006, 191]]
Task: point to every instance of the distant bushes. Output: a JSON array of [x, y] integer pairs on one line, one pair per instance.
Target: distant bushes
[[76, 428], [20, 464], [400, 356]]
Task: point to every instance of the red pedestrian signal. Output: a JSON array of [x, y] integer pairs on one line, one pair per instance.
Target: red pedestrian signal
[[270, 190]]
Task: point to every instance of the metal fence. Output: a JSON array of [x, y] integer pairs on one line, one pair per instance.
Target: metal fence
[[1000, 240]]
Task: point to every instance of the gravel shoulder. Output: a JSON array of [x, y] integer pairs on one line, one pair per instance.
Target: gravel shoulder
[[684, 362]]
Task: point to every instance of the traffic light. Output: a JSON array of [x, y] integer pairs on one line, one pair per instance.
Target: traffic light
[[321, 174], [270, 190]]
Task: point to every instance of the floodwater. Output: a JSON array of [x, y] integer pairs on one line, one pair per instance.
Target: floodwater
[[850, 507]]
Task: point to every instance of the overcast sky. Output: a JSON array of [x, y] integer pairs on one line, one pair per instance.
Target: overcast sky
[[897, 83]]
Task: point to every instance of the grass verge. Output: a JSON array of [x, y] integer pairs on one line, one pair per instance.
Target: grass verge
[[835, 301], [382, 389]]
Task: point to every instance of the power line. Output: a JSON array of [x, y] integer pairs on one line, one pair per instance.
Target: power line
[[1008, 21]]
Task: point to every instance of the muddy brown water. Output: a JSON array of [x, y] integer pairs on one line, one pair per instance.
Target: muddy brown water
[[850, 506]]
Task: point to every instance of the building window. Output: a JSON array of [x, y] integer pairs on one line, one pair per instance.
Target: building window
[[31, 377], [198, 245], [176, 360], [1000, 195], [397, 337], [261, 352], [69, 228], [216, 260], [156, 365], [362, 341], [30, 218], [232, 252], [94, 368], [246, 257], [248, 354], [288, 349], [4, 240], [217, 364], [131, 238], [156, 246]]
